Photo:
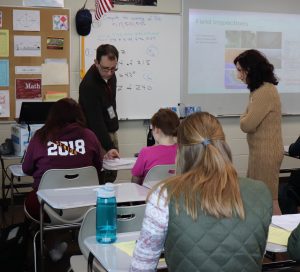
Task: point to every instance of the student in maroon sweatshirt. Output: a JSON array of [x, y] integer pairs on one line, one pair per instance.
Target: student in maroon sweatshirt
[[63, 142]]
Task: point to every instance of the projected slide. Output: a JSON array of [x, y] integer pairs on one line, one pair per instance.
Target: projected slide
[[217, 37]]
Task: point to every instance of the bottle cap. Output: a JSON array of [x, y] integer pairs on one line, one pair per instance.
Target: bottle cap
[[107, 190]]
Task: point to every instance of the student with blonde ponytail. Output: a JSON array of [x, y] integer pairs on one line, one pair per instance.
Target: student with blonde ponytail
[[206, 218]]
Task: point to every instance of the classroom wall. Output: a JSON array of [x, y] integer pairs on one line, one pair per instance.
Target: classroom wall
[[132, 134]]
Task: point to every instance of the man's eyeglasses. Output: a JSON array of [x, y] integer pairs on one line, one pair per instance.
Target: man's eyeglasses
[[107, 69]]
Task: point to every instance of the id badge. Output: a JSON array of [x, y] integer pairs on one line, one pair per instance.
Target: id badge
[[111, 112]]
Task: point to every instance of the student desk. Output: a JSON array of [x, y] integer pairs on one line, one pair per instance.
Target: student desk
[[15, 172], [67, 198], [290, 163], [111, 257], [114, 259]]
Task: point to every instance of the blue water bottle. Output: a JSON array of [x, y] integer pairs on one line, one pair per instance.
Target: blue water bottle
[[106, 214]]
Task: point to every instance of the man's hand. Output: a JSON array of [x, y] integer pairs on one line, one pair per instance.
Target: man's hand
[[111, 154]]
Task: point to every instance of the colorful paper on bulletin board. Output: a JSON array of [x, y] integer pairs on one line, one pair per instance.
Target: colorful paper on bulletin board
[[55, 43], [278, 236], [0, 18], [4, 73], [28, 88], [4, 103], [54, 96], [60, 22], [4, 43]]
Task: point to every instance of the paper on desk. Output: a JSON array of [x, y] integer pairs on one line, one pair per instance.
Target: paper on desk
[[286, 221], [127, 247], [278, 236], [119, 162]]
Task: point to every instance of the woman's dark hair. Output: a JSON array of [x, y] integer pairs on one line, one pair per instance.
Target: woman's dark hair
[[65, 111], [167, 121], [258, 68], [107, 50]]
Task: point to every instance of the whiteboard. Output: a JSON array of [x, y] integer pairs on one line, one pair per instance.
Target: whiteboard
[[149, 47]]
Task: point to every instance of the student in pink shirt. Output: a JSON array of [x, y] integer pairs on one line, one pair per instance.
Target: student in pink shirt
[[164, 129]]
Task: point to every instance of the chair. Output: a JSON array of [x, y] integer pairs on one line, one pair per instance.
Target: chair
[[129, 218], [64, 178], [158, 173]]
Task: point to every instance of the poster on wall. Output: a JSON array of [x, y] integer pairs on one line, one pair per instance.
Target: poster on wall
[[44, 3], [4, 103], [27, 46], [55, 43], [28, 70], [0, 18], [28, 88], [26, 20], [136, 2]]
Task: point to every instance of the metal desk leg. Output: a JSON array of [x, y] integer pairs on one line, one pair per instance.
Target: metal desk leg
[[3, 178], [12, 202], [12, 190], [42, 235]]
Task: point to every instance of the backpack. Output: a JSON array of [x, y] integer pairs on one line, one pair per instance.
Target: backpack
[[13, 247], [7, 148]]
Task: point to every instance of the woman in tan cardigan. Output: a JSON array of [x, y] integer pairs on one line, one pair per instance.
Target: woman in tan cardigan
[[262, 120]]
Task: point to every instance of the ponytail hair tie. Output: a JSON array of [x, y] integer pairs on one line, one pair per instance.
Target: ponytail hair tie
[[206, 142]]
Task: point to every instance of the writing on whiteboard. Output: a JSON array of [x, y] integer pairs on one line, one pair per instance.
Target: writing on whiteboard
[[149, 59]]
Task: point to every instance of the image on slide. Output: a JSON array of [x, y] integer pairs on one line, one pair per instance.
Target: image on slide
[[269, 43]]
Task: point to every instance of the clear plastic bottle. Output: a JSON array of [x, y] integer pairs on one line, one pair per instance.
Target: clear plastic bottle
[[106, 214]]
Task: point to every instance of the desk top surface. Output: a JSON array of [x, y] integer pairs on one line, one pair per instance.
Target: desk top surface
[[112, 258], [67, 198]]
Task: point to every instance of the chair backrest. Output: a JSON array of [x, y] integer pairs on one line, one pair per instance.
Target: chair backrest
[[66, 178], [129, 218], [88, 228], [158, 173]]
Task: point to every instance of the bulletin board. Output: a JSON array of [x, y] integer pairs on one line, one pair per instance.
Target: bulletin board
[[38, 56], [149, 45]]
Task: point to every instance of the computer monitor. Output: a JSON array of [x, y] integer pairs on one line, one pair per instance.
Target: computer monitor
[[34, 112]]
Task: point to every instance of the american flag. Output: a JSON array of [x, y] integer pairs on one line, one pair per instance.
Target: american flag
[[103, 6]]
